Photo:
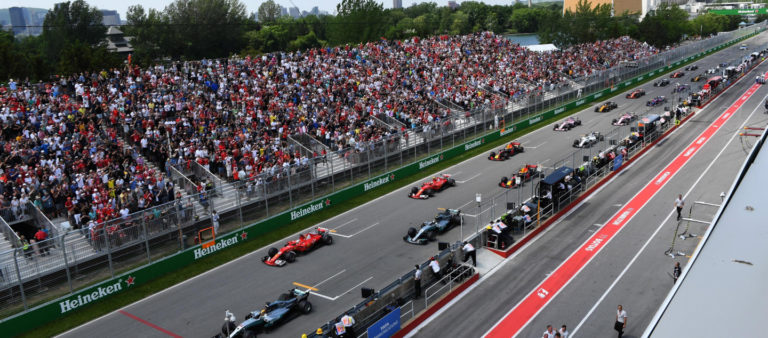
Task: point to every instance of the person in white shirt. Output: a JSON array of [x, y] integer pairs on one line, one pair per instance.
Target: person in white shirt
[[469, 251], [417, 282], [621, 321], [435, 268], [564, 332], [549, 333], [679, 204]]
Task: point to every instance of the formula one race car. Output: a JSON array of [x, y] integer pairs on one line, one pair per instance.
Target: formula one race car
[[624, 119], [606, 107], [656, 101], [429, 188], [661, 83], [586, 141], [526, 173], [681, 88], [697, 78], [288, 306], [567, 124], [677, 75], [691, 67], [305, 243], [428, 231], [637, 93], [510, 150]]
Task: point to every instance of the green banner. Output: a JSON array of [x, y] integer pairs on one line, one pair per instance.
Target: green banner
[[746, 11]]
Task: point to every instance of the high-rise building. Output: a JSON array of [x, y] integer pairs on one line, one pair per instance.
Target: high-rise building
[[452, 4], [110, 18], [294, 12], [620, 7], [18, 20], [314, 11], [397, 4]]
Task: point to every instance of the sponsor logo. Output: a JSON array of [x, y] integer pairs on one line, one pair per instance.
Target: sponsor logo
[[296, 214], [101, 292], [640, 78], [627, 83], [220, 245], [594, 245], [559, 110], [377, 182], [473, 144], [506, 131], [613, 89], [598, 95], [534, 120], [623, 216], [580, 102], [429, 162]]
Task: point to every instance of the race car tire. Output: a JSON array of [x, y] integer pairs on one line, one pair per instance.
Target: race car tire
[[327, 239], [452, 182], [412, 232], [556, 125], [575, 143], [414, 191], [265, 258], [578, 122], [493, 154], [248, 316], [504, 179], [305, 307], [431, 235], [290, 256], [272, 252], [601, 138], [429, 192], [227, 327], [521, 149], [249, 334], [614, 121]]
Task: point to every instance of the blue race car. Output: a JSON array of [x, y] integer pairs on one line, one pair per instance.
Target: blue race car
[[443, 222], [286, 307], [656, 101]]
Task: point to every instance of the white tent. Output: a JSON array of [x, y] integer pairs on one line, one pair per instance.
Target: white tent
[[542, 48]]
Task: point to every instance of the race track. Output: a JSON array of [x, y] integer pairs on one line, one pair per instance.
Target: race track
[[368, 249]]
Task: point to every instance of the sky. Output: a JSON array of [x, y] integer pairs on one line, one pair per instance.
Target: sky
[[122, 6]]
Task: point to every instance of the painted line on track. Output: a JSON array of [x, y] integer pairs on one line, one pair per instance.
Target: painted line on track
[[357, 233], [661, 225], [522, 313], [344, 224], [304, 286], [343, 293], [469, 179], [147, 323]]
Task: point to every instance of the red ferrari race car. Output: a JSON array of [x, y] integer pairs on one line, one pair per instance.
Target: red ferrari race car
[[677, 75], [306, 243], [429, 188], [526, 173], [512, 149], [567, 124], [637, 93]]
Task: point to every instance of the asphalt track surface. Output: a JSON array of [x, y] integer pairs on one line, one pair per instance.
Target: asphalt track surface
[[631, 268], [368, 249]]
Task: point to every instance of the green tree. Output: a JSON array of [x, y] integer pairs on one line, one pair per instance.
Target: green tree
[[357, 21], [268, 11], [69, 23], [151, 36], [664, 26], [527, 20], [206, 28]]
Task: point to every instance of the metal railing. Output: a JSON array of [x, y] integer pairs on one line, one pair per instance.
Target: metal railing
[[88, 255]]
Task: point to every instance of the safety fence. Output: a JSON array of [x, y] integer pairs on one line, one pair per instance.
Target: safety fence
[[159, 238]]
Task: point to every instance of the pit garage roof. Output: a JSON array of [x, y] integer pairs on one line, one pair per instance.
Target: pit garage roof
[[723, 291]]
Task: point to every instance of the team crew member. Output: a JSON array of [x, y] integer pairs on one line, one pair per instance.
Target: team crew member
[[679, 204], [417, 281], [676, 271], [549, 333], [564, 332], [435, 268], [621, 321], [469, 251]]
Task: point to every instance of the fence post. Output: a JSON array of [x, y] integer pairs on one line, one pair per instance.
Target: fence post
[[66, 261], [146, 236], [18, 276], [239, 205], [109, 250]]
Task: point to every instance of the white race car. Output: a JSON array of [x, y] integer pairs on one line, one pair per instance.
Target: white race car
[[586, 141]]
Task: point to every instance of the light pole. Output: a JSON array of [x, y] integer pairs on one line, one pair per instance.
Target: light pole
[[478, 199]]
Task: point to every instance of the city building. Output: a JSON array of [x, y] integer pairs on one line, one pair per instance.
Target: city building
[[397, 4], [18, 20], [110, 18], [624, 6], [294, 12], [452, 4]]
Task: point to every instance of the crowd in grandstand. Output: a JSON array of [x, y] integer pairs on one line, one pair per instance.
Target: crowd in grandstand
[[62, 146]]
